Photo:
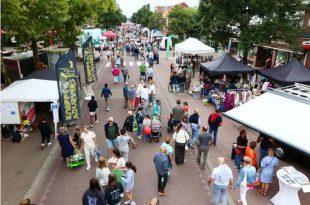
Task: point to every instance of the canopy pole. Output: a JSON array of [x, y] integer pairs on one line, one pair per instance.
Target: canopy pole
[[55, 110]]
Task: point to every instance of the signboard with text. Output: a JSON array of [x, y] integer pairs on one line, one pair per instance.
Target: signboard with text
[[66, 71], [89, 61]]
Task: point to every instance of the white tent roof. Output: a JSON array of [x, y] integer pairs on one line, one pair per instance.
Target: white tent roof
[[32, 90], [277, 116], [193, 46]]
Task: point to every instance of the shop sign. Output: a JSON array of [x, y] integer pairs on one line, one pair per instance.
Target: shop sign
[[89, 61], [66, 71]]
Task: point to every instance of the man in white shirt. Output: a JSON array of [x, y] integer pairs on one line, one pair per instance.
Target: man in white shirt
[[222, 179], [89, 143], [145, 95]]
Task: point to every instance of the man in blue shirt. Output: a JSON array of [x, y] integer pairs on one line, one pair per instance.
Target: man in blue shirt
[[161, 162], [106, 92]]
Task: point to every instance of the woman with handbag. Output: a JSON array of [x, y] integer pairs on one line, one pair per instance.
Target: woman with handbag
[[66, 143], [89, 144], [180, 137], [268, 164]]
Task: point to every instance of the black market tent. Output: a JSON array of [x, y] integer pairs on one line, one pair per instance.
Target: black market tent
[[43, 74], [289, 73], [226, 65]]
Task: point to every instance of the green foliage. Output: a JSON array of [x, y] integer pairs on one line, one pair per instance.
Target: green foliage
[[156, 21], [143, 16], [252, 21], [111, 18], [184, 21]]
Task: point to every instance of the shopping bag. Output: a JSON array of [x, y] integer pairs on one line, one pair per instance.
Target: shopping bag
[[98, 152], [118, 174], [76, 160], [135, 125]]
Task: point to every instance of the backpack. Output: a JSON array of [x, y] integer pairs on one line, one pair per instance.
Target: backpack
[[125, 71]]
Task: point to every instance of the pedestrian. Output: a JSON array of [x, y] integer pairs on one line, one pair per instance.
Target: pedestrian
[[111, 132], [154, 201], [161, 162], [174, 82], [138, 93], [106, 92], [125, 94], [268, 165], [168, 145], [265, 143], [180, 137], [93, 195], [118, 61], [203, 141], [115, 73], [26, 202], [122, 144], [136, 50], [129, 121], [77, 136], [89, 144], [93, 109], [182, 82], [114, 191], [142, 71], [150, 72], [129, 181], [139, 119], [156, 111], [242, 143], [125, 73], [131, 96], [109, 54], [116, 160], [246, 180], [152, 91], [46, 133], [113, 59], [177, 112], [66, 143], [102, 172], [250, 152], [214, 122], [222, 180], [194, 120], [145, 96]]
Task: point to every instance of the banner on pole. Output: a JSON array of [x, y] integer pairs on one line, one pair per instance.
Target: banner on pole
[[67, 78], [89, 61]]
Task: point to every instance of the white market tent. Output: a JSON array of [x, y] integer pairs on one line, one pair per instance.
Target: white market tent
[[277, 115], [32, 90], [193, 46]]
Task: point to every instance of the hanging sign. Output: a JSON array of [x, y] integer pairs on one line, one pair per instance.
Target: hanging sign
[[89, 61]]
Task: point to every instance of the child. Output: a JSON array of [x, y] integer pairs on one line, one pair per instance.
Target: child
[[129, 180], [186, 111], [122, 144]]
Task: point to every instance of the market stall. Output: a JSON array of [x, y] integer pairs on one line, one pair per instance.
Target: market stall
[[18, 98], [290, 73], [193, 46], [109, 34]]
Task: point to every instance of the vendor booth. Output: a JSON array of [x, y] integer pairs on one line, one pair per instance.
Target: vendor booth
[[289, 73], [193, 46], [109, 34], [18, 98]]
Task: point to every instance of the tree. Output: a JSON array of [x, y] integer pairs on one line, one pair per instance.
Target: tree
[[183, 21], [142, 16], [252, 22], [156, 21], [32, 20], [111, 18]]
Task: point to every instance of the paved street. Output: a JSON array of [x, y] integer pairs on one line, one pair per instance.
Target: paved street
[[187, 184]]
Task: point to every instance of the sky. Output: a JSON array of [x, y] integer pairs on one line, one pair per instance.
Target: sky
[[130, 6]]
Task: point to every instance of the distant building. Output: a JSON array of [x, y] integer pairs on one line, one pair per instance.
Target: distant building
[[164, 10]]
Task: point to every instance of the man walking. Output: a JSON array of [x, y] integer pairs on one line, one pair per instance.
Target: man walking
[[139, 118], [194, 120], [106, 92], [89, 144], [177, 113], [131, 96], [145, 96], [203, 141], [161, 162], [142, 71], [125, 94], [46, 132], [151, 92], [111, 132], [214, 121], [222, 179], [128, 124], [92, 107]]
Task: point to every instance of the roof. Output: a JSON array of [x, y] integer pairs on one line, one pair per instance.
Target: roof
[[193, 46], [289, 73], [275, 114], [43, 74], [158, 34], [31, 90], [226, 65]]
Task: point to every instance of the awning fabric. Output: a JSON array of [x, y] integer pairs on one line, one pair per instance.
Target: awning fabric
[[226, 65], [193, 46], [289, 73], [158, 34], [31, 90], [43, 74], [278, 117]]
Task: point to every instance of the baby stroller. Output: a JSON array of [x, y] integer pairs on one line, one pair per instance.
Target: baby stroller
[[170, 124], [155, 129]]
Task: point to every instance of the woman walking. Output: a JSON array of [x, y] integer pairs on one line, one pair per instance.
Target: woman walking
[[114, 191], [89, 144], [180, 137], [169, 153], [122, 144], [129, 182], [93, 195], [268, 164], [66, 143], [102, 172]]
